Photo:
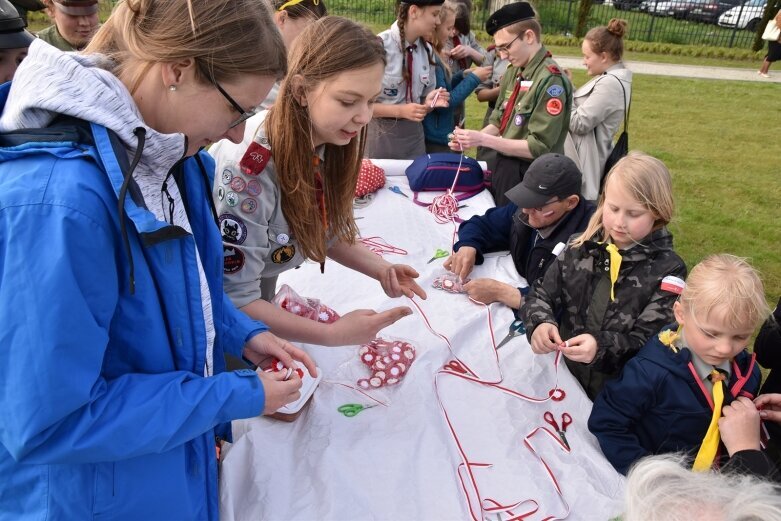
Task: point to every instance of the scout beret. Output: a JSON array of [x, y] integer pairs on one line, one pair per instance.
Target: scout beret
[[12, 32], [424, 3], [508, 15]]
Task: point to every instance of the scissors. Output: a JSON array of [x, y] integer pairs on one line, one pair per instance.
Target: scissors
[[351, 409], [566, 420], [438, 255], [396, 190], [516, 328]]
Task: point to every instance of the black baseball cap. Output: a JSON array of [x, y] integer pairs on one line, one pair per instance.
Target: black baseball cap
[[548, 176], [12, 28], [508, 15]]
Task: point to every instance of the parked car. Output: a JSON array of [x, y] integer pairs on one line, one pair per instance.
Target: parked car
[[662, 7], [682, 8], [710, 11], [746, 16], [626, 5]]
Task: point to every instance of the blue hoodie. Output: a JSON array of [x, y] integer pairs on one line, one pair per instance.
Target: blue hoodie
[[440, 122], [656, 406], [106, 409]]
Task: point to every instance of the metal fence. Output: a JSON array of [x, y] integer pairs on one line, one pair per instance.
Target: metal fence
[[560, 17]]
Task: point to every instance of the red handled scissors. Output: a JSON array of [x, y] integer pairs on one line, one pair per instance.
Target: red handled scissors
[[566, 420], [455, 367]]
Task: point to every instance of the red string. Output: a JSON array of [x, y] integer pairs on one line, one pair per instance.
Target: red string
[[461, 370], [380, 246]]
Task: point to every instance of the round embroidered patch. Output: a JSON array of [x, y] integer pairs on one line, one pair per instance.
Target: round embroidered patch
[[231, 199], [554, 106], [249, 205], [232, 228], [233, 259], [518, 120], [238, 184], [283, 254], [253, 187]]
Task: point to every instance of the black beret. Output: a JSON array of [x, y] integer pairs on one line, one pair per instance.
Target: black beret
[[508, 15]]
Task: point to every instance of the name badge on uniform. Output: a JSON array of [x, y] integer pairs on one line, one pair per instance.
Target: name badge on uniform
[[526, 85]]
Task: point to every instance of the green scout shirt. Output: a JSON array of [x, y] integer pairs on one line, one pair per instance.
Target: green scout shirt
[[53, 37], [541, 114]]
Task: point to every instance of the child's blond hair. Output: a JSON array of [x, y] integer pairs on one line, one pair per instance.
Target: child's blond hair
[[730, 285], [649, 182]]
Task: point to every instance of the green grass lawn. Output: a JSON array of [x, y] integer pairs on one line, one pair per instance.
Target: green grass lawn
[[720, 141]]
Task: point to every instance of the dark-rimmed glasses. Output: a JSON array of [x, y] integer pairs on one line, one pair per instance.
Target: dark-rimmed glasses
[[504, 49], [245, 114]]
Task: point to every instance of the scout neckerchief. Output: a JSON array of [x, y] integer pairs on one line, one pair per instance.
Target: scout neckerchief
[[710, 443], [615, 266], [508, 109], [461, 61], [408, 60], [320, 198]]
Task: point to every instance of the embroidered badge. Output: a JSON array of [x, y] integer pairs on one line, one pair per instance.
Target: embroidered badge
[[554, 69], [220, 193], [518, 120], [227, 175], [391, 93], [673, 284], [554, 106], [233, 259], [238, 184], [555, 91], [231, 199], [253, 187], [283, 254], [255, 159], [249, 205], [526, 85], [233, 229]]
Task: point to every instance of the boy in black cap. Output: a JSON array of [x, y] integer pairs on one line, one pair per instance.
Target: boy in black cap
[[14, 40], [545, 210], [533, 108], [74, 23]]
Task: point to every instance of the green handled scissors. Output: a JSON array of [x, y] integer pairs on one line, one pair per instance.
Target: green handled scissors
[[438, 255], [351, 409], [516, 328]]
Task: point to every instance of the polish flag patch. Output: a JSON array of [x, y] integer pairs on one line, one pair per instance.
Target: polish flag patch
[[673, 284]]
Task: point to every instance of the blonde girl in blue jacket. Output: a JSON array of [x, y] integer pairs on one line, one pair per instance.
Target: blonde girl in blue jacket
[[114, 319]]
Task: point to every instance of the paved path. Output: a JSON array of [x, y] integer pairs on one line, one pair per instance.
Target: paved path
[[685, 71]]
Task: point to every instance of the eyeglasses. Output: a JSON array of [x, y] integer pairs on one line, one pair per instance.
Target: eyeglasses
[[245, 114], [504, 49]]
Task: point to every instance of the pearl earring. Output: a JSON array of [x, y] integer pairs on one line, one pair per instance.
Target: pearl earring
[[172, 88]]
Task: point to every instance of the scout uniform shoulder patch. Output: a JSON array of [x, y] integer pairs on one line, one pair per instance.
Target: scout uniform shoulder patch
[[554, 106], [673, 284], [554, 69], [233, 259], [283, 254], [554, 91], [255, 159]]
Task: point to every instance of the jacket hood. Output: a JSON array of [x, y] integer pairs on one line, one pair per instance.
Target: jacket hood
[[653, 244], [50, 82]]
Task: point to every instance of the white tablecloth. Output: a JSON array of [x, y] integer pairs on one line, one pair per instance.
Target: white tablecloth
[[401, 461]]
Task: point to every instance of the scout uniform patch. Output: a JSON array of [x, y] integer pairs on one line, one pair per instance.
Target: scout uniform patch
[[232, 228], [255, 158], [283, 254], [673, 284], [233, 259]]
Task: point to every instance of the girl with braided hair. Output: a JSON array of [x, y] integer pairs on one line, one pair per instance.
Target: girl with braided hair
[[408, 85]]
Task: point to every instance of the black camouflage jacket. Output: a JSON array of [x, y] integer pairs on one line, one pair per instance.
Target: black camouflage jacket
[[640, 309]]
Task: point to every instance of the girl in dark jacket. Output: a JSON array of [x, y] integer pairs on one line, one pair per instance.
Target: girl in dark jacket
[[614, 287]]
